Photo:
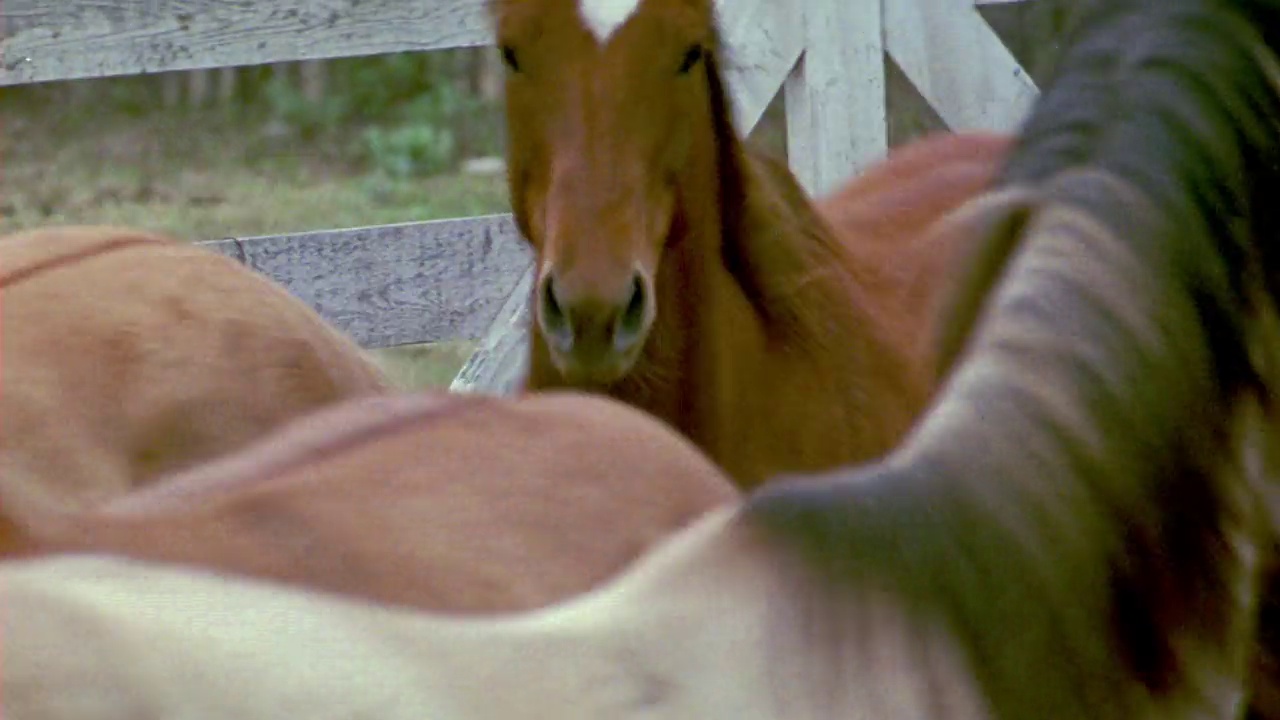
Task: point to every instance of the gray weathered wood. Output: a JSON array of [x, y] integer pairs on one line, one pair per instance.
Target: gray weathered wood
[[500, 363], [42, 40], [396, 284]]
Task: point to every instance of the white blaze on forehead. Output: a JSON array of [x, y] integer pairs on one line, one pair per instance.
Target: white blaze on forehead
[[604, 17]]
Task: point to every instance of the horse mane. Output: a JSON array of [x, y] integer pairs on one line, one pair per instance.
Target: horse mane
[[777, 269], [1080, 123], [1078, 482]]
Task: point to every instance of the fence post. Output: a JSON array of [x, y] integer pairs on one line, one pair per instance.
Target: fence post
[[837, 121]]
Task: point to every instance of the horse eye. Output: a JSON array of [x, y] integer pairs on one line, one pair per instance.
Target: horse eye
[[509, 57], [691, 58]]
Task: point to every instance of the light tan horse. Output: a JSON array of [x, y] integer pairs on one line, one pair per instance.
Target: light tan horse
[[127, 355], [1072, 532], [684, 272], [453, 503]]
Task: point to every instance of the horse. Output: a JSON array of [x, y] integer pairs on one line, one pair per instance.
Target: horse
[[687, 273], [128, 355], [437, 501], [1076, 528]]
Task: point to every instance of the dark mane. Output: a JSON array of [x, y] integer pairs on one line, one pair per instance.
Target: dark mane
[[731, 170], [775, 272], [1069, 504], [1181, 83]]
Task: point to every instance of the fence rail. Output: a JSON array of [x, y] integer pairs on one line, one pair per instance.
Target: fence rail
[[397, 284], [468, 278]]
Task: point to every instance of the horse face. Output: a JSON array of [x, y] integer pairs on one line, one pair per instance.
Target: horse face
[[603, 101]]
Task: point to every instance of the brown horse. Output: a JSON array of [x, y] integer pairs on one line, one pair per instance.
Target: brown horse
[[1072, 531], [683, 272], [127, 355], [446, 502]]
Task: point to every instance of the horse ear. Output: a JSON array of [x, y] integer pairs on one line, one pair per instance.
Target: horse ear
[[985, 232]]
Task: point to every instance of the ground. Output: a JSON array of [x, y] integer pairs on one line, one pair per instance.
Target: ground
[[203, 176]]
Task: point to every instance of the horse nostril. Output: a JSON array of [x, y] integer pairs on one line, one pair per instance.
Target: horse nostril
[[631, 322], [552, 316]]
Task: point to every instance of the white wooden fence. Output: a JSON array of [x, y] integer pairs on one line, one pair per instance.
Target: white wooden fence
[[469, 278]]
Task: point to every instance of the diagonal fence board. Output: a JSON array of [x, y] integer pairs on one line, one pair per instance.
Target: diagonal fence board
[[502, 360], [396, 284], [957, 63], [45, 40]]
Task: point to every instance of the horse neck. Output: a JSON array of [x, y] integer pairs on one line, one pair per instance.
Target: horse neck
[[818, 302], [1103, 419], [754, 284], [802, 279]]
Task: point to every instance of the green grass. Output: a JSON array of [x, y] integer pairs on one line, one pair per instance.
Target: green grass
[[202, 179]]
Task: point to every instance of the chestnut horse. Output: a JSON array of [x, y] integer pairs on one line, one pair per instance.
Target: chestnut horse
[[1072, 531], [682, 271], [127, 355], [445, 502]]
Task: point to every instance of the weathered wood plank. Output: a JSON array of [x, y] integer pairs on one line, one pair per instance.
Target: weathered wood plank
[[502, 360], [958, 63], [396, 284], [46, 40], [837, 119], [42, 40]]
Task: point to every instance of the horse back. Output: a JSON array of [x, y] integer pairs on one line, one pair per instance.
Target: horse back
[[451, 503], [128, 355]]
